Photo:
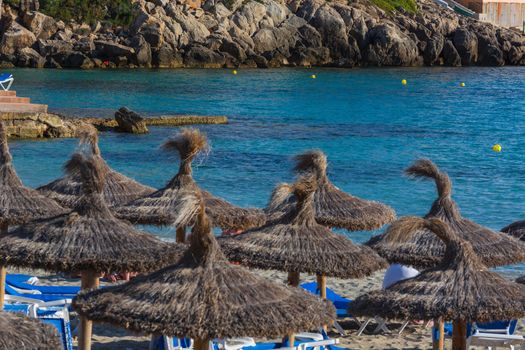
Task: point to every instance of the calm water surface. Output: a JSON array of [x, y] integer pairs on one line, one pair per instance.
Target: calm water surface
[[370, 126]]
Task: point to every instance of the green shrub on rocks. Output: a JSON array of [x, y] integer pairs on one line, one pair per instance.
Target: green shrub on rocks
[[117, 12], [392, 5]]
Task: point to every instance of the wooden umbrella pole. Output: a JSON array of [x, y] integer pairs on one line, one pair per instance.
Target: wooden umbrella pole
[[459, 335], [3, 270], [293, 279], [180, 236], [438, 340], [90, 280], [321, 285], [291, 340], [201, 344]]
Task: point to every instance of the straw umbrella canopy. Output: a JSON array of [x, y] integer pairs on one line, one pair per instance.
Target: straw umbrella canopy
[[160, 208], [516, 229], [333, 207], [296, 243], [461, 288], [204, 297], [118, 189], [18, 331], [424, 249], [18, 204], [88, 239]]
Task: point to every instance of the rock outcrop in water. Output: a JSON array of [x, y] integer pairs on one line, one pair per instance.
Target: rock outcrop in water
[[48, 125], [260, 33]]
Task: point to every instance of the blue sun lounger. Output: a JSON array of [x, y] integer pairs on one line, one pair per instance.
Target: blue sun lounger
[[20, 281], [6, 80], [58, 316], [340, 303], [9, 290], [304, 341]]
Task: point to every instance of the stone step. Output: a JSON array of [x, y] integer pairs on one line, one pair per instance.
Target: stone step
[[12, 99], [22, 108], [11, 93]]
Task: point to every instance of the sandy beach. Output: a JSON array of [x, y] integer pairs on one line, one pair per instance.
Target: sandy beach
[[415, 337]]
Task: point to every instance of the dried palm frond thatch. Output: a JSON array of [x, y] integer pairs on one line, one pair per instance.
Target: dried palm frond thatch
[[159, 208], [333, 207], [516, 229], [297, 243], [87, 238], [21, 332], [203, 296], [19, 204], [461, 288], [424, 249], [118, 189]]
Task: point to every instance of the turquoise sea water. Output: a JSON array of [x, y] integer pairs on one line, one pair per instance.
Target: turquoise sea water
[[370, 126]]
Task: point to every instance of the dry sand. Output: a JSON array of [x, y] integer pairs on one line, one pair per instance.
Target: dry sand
[[414, 337]]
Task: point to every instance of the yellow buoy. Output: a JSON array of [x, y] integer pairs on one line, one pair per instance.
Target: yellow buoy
[[404, 81], [234, 72], [496, 148], [313, 76], [462, 84]]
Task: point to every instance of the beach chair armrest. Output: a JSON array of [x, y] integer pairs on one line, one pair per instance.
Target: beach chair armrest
[[309, 336]]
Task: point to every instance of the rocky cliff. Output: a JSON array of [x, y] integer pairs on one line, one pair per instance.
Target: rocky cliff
[[260, 33]]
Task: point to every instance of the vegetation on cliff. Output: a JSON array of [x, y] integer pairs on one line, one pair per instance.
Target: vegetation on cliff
[[116, 12]]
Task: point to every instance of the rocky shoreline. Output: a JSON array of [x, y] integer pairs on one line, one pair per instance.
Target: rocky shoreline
[[49, 125], [259, 33]]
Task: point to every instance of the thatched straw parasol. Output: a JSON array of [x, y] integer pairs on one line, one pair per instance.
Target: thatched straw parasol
[[461, 288], [21, 332], [118, 190], [160, 208], [88, 239], [204, 297], [333, 207], [18, 204], [297, 243], [424, 249], [516, 229]]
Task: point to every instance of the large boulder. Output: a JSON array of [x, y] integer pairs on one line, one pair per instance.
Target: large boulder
[[16, 38], [196, 31], [489, 51], [466, 44], [39, 24], [52, 47], [27, 57], [433, 49], [130, 122], [233, 49], [106, 49], [450, 55], [202, 57], [166, 57], [332, 28], [389, 46], [142, 49]]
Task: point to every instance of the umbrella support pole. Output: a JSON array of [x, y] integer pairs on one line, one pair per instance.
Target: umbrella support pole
[[293, 279], [180, 235], [321, 285], [291, 340], [438, 338], [201, 344], [90, 280], [3, 271], [459, 335]]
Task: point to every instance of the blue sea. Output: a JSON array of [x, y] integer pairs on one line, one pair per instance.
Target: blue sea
[[368, 123]]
